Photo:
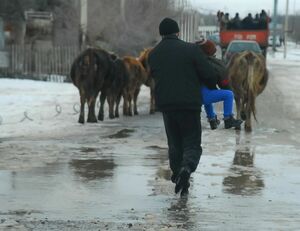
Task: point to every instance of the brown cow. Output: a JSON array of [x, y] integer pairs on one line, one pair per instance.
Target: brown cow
[[89, 71], [143, 58], [248, 77], [136, 77]]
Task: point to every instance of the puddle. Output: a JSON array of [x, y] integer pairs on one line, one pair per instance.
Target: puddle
[[88, 150], [81, 188], [244, 157], [155, 147], [124, 133], [93, 169], [245, 184], [244, 179], [20, 212]]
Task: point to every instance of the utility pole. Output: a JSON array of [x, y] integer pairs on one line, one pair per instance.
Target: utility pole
[[83, 21], [122, 8], [286, 25], [274, 24]]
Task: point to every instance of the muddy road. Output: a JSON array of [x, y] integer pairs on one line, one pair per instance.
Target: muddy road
[[56, 174]]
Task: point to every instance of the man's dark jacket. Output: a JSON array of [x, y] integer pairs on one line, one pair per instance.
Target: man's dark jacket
[[179, 69]]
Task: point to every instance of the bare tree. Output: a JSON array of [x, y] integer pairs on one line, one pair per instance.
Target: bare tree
[[125, 26], [66, 22], [12, 13], [66, 18], [127, 30]]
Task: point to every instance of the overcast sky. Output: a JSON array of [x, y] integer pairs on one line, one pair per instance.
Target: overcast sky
[[245, 6]]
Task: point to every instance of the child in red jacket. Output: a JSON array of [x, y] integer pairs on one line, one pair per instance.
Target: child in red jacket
[[210, 96]]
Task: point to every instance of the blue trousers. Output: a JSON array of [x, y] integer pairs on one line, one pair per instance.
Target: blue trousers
[[213, 96]]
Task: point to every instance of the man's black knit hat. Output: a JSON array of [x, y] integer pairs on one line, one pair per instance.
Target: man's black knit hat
[[168, 26]]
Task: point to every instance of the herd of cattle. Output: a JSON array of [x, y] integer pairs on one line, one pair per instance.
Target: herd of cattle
[[96, 70]]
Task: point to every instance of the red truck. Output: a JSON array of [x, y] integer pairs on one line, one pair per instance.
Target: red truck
[[259, 35]]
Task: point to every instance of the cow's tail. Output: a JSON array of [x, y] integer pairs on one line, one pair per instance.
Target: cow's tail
[[141, 72], [250, 106], [72, 72]]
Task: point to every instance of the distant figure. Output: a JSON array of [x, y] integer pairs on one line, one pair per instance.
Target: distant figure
[[263, 14], [256, 22], [220, 16], [225, 21], [248, 22], [281, 40], [236, 22], [264, 20]]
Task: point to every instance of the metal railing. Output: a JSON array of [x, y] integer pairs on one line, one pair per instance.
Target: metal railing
[[42, 63]]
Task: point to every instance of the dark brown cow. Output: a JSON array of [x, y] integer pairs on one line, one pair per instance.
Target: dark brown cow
[[248, 77], [89, 71], [143, 58], [113, 87], [136, 77], [117, 87]]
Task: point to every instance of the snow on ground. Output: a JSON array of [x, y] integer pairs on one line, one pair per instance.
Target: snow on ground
[[30, 107], [39, 100]]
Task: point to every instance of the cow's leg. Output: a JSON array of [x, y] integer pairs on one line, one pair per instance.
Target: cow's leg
[[129, 108], [248, 127], [101, 109], [152, 100], [111, 101], [82, 103], [125, 103], [238, 110], [91, 115], [238, 107], [244, 108], [118, 99], [136, 93], [125, 106]]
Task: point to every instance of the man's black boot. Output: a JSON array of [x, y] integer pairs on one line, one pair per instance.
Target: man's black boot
[[214, 123], [185, 190], [182, 180], [173, 177], [231, 122]]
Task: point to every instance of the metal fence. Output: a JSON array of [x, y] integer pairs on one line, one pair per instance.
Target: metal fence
[[42, 63]]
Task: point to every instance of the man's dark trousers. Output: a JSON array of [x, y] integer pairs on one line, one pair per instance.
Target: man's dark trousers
[[183, 129]]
